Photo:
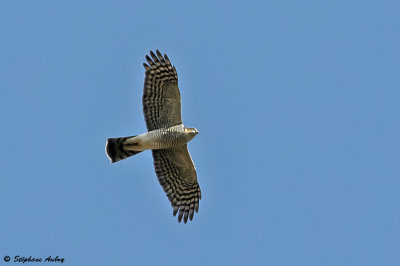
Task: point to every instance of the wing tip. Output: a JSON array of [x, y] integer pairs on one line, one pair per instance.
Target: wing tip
[[157, 57]]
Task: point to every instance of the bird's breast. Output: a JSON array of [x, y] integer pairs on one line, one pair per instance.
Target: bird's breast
[[165, 138]]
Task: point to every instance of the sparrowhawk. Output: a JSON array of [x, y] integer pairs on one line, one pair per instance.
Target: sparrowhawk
[[167, 137]]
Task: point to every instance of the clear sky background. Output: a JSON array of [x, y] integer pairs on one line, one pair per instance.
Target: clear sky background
[[297, 104]]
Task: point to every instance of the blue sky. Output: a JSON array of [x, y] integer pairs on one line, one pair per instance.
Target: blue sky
[[297, 104]]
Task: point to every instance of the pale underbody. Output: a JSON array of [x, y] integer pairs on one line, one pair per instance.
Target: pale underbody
[[164, 138]]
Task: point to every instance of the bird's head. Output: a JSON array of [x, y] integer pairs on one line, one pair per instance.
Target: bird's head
[[192, 132]]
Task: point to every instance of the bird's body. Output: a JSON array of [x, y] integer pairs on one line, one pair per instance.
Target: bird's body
[[162, 138], [167, 137]]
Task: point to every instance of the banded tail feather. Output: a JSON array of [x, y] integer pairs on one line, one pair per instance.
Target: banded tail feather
[[115, 149]]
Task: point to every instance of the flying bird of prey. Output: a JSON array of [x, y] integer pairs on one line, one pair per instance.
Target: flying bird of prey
[[167, 137]]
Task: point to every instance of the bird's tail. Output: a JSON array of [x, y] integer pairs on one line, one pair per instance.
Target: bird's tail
[[116, 150]]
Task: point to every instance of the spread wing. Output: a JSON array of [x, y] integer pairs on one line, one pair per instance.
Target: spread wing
[[177, 175], [161, 97]]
